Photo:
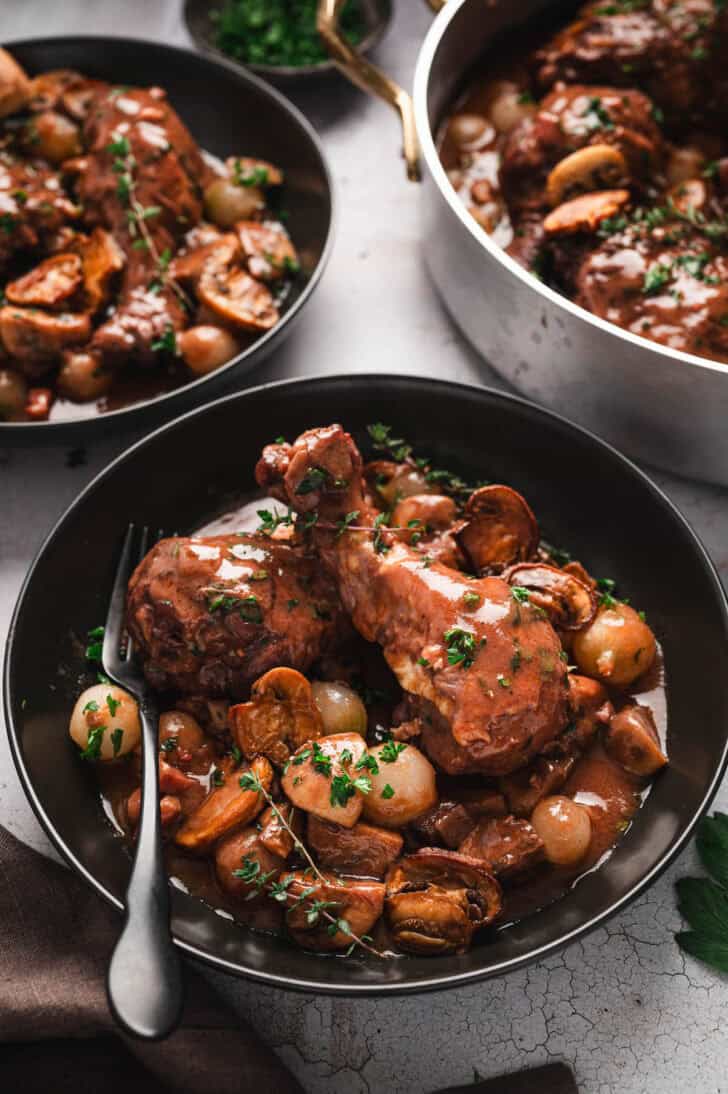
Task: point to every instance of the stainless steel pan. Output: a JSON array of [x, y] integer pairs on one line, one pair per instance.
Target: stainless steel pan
[[660, 405]]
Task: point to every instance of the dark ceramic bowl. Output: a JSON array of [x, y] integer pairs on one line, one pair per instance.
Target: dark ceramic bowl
[[227, 110], [376, 16], [586, 495]]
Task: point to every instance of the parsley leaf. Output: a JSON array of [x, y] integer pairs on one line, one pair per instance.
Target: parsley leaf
[[703, 902]]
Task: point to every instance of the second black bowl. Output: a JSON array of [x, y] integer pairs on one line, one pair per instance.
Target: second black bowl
[[228, 111], [586, 495]]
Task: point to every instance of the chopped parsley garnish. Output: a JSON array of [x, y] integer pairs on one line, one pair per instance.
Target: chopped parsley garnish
[[169, 745], [598, 116], [117, 736], [520, 594], [92, 751], [461, 647], [367, 763], [95, 648], [92, 705], [503, 680], [291, 604], [270, 521], [656, 278], [113, 705], [257, 175], [343, 787], [388, 791], [423, 661], [383, 441], [471, 598], [321, 762], [311, 481], [390, 750], [217, 777], [167, 342]]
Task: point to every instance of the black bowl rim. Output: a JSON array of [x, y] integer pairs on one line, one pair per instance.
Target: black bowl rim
[[247, 358], [288, 73], [430, 983]]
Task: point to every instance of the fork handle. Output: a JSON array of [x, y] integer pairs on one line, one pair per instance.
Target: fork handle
[[144, 983]]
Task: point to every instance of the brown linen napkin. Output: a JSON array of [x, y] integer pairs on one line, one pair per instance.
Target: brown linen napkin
[[56, 1032]]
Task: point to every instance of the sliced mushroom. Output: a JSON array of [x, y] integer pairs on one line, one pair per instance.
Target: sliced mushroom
[[437, 899], [14, 85], [77, 98], [226, 807], [595, 167], [568, 602], [499, 529], [632, 741], [48, 285], [280, 717], [585, 213], [267, 249], [420, 515], [102, 258], [238, 299], [32, 335], [357, 902], [218, 253], [47, 88], [274, 836]]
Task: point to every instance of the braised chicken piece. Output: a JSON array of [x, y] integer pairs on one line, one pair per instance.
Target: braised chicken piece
[[452, 639], [509, 845], [618, 124], [33, 206], [162, 192], [209, 615], [674, 51], [668, 283], [364, 850]]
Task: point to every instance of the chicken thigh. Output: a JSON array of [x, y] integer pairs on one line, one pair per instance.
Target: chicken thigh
[[209, 615], [486, 660]]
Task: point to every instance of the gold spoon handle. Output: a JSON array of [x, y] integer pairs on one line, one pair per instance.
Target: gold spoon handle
[[370, 78]]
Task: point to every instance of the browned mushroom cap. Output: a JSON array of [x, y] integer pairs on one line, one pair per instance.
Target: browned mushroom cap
[[47, 285], [225, 808], [568, 602], [633, 742], [281, 716], [437, 899], [238, 299], [585, 213], [102, 259], [499, 529]]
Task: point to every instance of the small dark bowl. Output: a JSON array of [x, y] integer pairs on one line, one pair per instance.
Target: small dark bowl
[[377, 15], [587, 497], [228, 111]]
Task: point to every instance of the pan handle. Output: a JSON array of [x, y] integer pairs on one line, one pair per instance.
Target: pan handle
[[370, 78]]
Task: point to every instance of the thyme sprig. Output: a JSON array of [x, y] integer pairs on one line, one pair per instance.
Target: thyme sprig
[[123, 166], [279, 890]]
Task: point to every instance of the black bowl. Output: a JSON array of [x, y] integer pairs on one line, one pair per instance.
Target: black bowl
[[586, 495], [227, 110]]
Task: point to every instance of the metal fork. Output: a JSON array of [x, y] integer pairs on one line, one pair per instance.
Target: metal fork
[[144, 983]]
